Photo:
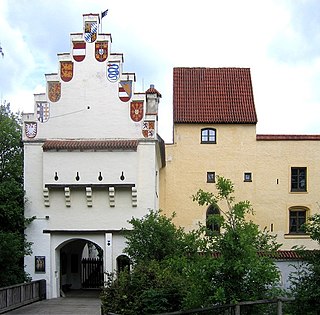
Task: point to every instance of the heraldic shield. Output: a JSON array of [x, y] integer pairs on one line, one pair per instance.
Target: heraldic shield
[[125, 90], [66, 70], [148, 129], [90, 31], [136, 110], [101, 51], [113, 71], [54, 91], [79, 51], [30, 128], [43, 111]]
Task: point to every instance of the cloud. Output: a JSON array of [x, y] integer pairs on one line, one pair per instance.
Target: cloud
[[298, 40], [278, 40]]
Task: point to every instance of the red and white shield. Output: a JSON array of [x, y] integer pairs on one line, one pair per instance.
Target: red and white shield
[[101, 51], [136, 110], [125, 90], [79, 51]]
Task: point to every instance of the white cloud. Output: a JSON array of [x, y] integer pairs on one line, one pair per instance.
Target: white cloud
[[276, 39]]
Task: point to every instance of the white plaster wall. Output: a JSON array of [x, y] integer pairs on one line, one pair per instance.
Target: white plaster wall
[[89, 164], [287, 267], [89, 108]]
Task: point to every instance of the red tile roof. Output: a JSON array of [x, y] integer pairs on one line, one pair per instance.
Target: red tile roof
[[152, 90], [288, 137], [213, 95], [90, 145], [282, 254]]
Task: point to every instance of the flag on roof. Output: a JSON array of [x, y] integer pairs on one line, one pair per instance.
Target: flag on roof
[[104, 13]]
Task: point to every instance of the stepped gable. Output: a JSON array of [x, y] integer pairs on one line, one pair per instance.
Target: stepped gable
[[213, 95], [91, 89]]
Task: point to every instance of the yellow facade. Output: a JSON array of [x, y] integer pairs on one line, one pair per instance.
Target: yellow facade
[[237, 151]]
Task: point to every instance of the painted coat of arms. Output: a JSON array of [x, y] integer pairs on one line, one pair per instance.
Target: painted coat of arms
[[30, 129], [54, 91], [79, 51], [66, 70], [90, 31], [136, 110], [113, 71], [101, 51], [125, 90], [148, 129], [43, 111]]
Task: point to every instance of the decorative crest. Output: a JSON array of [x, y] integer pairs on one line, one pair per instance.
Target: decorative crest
[[66, 70], [90, 27], [125, 90], [30, 129], [43, 111], [101, 51], [136, 110], [54, 91], [79, 51]]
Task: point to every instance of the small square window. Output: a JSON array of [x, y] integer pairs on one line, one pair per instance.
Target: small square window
[[248, 177], [211, 177]]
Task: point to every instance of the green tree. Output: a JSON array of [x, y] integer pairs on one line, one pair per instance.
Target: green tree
[[175, 270], [305, 280], [245, 270], [13, 246], [160, 254]]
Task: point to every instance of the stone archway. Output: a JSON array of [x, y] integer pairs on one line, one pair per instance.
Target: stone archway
[[81, 265]]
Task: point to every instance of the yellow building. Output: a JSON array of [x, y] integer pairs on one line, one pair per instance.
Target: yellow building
[[215, 134]]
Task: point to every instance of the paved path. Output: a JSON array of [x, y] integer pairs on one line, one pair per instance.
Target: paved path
[[85, 304]]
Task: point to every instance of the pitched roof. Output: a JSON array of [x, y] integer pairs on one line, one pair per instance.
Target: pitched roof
[[153, 90], [213, 95], [89, 145]]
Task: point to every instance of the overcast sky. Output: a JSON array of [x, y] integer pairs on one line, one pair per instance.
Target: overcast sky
[[279, 40]]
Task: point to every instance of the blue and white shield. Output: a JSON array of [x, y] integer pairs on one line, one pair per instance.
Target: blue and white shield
[[43, 111], [90, 31]]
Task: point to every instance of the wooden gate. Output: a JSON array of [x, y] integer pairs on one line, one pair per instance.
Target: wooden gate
[[91, 273]]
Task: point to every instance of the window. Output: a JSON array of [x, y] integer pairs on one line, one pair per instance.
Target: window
[[208, 135], [211, 219], [247, 177], [298, 179], [123, 263], [297, 217], [211, 177]]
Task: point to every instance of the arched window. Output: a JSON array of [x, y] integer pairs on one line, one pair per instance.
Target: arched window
[[208, 135], [212, 224], [297, 217], [123, 263]]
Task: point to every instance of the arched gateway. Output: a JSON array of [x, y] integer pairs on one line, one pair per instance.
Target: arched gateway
[[81, 265]]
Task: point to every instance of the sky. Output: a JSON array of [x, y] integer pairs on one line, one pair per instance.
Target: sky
[[279, 40]]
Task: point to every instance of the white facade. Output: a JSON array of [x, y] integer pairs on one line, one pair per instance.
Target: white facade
[[92, 160]]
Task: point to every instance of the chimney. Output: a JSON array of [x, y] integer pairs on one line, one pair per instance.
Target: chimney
[[152, 100]]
